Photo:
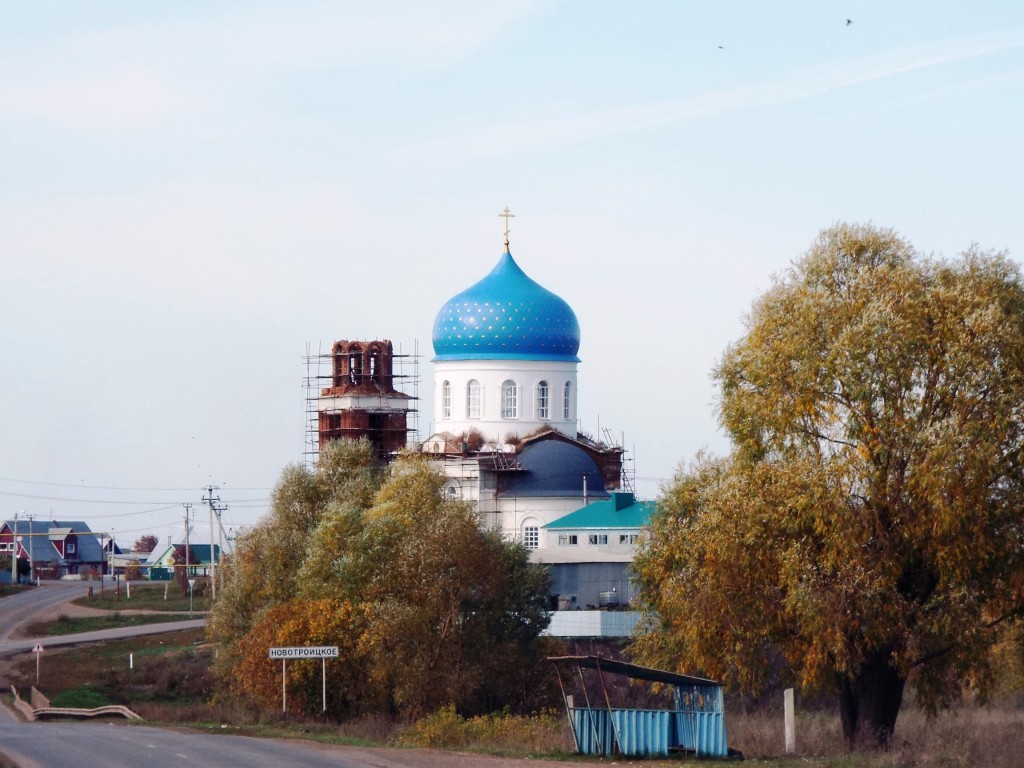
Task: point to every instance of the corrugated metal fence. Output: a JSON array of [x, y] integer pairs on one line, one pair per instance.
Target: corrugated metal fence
[[649, 732]]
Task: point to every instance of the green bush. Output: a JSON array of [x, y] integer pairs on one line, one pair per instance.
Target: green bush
[[83, 697]]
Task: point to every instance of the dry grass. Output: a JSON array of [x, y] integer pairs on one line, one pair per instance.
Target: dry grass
[[967, 736], [147, 597], [104, 666], [496, 733], [68, 625]]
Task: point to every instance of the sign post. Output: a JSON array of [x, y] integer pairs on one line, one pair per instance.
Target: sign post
[[38, 651], [789, 713], [322, 652], [191, 586]]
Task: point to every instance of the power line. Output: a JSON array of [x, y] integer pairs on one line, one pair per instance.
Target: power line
[[98, 501], [113, 487], [131, 514]]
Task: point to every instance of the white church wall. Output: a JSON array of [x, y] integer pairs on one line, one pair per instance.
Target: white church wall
[[491, 375], [512, 512]]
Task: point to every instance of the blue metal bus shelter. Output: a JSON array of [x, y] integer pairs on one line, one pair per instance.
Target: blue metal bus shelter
[[695, 725]]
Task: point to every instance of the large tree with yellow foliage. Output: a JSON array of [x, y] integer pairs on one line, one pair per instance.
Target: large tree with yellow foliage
[[867, 529], [427, 608]]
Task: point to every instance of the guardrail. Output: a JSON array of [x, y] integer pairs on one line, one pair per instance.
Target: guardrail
[[112, 709]]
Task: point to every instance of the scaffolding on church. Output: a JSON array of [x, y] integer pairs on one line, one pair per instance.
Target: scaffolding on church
[[628, 472], [320, 374]]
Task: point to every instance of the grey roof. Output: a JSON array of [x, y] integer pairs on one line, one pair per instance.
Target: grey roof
[[42, 546], [555, 468]]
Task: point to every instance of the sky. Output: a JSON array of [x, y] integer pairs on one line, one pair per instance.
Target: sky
[[194, 194]]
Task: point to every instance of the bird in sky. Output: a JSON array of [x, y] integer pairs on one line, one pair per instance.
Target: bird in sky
[[849, 22]]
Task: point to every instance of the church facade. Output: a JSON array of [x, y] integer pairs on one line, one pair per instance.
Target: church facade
[[506, 393]]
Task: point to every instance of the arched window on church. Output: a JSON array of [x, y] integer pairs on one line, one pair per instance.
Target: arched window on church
[[509, 400], [531, 535], [567, 401], [446, 400], [543, 407], [473, 399]]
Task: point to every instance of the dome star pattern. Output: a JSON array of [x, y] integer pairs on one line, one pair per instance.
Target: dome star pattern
[[506, 316]]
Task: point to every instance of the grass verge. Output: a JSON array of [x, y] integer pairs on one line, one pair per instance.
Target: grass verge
[[168, 667], [65, 625], [82, 696], [146, 597], [14, 589]]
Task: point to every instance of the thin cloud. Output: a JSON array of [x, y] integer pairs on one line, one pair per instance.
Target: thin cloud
[[250, 44], [135, 74], [119, 101], [541, 135]]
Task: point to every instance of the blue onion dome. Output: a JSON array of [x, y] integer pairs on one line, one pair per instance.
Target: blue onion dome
[[506, 316]]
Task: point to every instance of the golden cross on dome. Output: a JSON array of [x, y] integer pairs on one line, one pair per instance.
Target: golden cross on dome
[[506, 215]]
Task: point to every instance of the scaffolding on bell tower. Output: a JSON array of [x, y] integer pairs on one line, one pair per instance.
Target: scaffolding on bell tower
[[358, 389]]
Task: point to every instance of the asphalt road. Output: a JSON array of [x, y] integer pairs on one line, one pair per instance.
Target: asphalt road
[[26, 606], [22, 607], [10, 647], [98, 745]]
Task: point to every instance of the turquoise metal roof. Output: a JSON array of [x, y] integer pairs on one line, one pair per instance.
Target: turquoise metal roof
[[622, 510], [506, 316], [202, 553]]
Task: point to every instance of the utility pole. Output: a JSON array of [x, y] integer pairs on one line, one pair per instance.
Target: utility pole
[[211, 502], [220, 535], [14, 552], [188, 508], [113, 572], [31, 547]]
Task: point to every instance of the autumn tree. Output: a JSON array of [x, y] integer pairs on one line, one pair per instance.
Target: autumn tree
[[257, 680], [430, 609], [146, 543], [866, 530], [264, 571], [183, 560], [455, 611]]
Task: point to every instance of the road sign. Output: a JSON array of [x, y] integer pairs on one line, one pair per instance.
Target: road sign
[[191, 583], [305, 652], [322, 652], [39, 648]]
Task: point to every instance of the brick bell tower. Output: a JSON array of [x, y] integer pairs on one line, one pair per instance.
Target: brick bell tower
[[362, 400]]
